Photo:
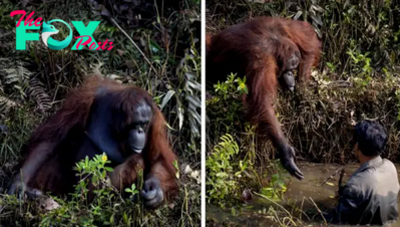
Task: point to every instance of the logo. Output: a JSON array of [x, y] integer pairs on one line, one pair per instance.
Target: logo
[[49, 30], [85, 37]]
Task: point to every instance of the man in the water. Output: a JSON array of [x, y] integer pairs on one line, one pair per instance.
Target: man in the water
[[370, 195]]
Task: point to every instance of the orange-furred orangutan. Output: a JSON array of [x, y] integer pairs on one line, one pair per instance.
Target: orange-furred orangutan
[[264, 49], [101, 116]]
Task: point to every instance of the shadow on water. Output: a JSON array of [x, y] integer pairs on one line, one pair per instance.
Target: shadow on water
[[302, 205]]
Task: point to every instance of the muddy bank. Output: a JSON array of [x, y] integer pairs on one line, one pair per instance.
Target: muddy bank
[[303, 202]]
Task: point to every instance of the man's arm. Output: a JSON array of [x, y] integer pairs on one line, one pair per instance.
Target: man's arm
[[348, 209]]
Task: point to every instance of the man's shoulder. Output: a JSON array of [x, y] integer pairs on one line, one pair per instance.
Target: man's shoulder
[[373, 177], [388, 164], [390, 170]]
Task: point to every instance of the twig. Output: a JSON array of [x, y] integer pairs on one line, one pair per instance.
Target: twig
[[134, 44], [301, 208], [334, 174], [320, 212], [278, 205], [60, 70]]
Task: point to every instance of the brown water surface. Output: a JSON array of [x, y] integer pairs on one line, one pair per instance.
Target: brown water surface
[[304, 200]]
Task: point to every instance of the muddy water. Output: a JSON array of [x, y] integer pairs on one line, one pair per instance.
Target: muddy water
[[304, 200]]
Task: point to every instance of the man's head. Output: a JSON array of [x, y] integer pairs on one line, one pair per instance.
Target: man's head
[[370, 139]]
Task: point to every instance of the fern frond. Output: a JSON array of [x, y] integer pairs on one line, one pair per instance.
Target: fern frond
[[37, 91]]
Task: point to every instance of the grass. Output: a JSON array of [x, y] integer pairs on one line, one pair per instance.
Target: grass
[[159, 52], [318, 121], [357, 79]]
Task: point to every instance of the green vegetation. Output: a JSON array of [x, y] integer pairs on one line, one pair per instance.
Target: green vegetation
[[34, 83], [108, 208], [221, 176], [345, 26], [357, 79], [230, 166]]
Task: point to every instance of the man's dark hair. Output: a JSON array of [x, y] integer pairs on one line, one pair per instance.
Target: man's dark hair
[[371, 138]]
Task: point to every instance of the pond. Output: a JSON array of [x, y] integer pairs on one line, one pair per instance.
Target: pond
[[303, 202]]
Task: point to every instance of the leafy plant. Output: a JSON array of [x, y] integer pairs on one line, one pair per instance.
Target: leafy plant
[[276, 186], [225, 108], [222, 171], [34, 83], [361, 64], [232, 85], [331, 67], [78, 211], [184, 97]]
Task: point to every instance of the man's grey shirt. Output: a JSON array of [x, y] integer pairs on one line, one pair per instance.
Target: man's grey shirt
[[370, 196]]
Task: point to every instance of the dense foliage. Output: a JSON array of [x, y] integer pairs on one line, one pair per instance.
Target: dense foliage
[[357, 79], [156, 47]]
